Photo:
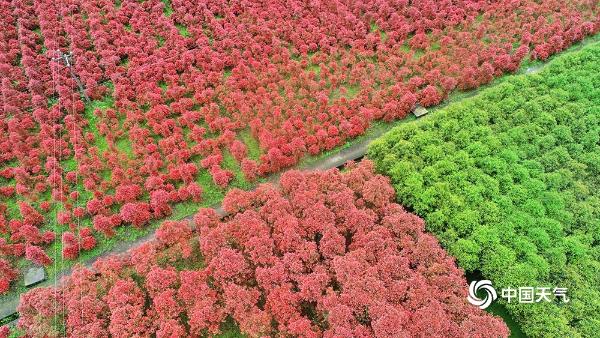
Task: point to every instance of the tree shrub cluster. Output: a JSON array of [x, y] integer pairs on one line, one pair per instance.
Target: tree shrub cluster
[[329, 254], [509, 183], [178, 83]]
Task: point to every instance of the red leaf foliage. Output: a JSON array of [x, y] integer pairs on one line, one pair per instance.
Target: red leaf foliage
[[329, 254], [259, 84]]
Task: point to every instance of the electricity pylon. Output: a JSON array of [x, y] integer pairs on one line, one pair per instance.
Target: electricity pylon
[[67, 60]]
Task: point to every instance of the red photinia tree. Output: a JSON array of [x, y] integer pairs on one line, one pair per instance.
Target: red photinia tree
[[238, 150], [138, 214], [159, 201], [249, 169], [30, 215], [430, 96], [37, 255], [87, 239], [70, 245], [7, 275], [327, 254], [173, 233], [73, 244], [106, 224], [127, 193], [221, 177]]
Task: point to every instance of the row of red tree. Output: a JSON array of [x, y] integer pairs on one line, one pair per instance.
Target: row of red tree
[[328, 255]]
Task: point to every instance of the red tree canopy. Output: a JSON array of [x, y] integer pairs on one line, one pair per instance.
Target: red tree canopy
[[329, 254]]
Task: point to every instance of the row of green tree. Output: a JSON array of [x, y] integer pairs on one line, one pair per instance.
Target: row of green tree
[[509, 181]]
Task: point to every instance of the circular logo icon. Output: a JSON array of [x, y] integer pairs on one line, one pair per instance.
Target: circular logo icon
[[486, 286]]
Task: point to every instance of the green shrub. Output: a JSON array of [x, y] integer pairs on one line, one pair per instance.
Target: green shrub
[[509, 182]]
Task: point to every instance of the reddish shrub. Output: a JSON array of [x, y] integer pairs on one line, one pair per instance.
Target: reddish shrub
[[63, 217], [36, 255], [195, 191], [7, 191], [88, 242], [430, 96], [42, 306], [173, 233], [159, 201], [8, 274], [79, 212], [238, 150], [70, 245], [127, 193], [30, 215], [138, 214], [104, 225], [221, 177], [249, 169]]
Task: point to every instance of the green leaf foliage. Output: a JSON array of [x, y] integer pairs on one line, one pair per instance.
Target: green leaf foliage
[[509, 182]]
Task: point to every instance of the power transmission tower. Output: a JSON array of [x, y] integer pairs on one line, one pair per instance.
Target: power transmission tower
[[67, 60]]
